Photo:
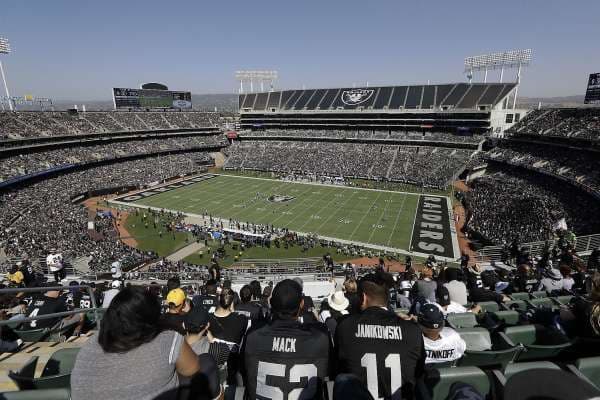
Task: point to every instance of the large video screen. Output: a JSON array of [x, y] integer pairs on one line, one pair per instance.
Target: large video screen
[[592, 94], [151, 98]]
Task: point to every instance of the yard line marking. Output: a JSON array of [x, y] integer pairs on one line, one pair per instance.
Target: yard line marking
[[387, 204], [396, 221], [333, 213], [364, 216]]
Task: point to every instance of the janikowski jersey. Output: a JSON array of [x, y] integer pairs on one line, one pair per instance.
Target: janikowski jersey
[[383, 350], [286, 360]]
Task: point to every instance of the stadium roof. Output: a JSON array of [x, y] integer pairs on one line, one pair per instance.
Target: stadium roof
[[460, 96]]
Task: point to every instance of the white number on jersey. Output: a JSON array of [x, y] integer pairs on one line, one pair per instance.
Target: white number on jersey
[[296, 373], [392, 361]]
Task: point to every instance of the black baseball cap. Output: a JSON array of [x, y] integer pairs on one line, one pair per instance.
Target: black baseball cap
[[430, 316], [286, 297], [443, 296], [196, 319]]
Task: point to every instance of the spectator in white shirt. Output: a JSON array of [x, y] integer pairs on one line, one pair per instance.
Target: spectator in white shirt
[[456, 288], [110, 294], [442, 344], [447, 306]]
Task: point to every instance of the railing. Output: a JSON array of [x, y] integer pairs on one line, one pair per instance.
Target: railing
[[583, 246], [94, 308]]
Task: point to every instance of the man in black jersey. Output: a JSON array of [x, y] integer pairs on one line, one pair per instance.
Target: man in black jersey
[[384, 351], [253, 311], [208, 298], [286, 359], [48, 303]]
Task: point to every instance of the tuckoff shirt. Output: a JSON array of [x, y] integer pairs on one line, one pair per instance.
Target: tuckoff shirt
[[383, 350], [449, 347]]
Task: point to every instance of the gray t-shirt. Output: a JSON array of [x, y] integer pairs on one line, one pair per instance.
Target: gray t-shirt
[[140, 374], [426, 289]]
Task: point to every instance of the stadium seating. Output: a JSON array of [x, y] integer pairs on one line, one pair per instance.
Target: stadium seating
[[462, 320], [536, 341], [56, 373], [41, 394], [439, 381], [588, 369]]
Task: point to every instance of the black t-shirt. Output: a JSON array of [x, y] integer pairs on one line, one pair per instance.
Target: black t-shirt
[[207, 301], [286, 359], [84, 300], [383, 350], [250, 310], [230, 328], [480, 294], [43, 305], [173, 322]]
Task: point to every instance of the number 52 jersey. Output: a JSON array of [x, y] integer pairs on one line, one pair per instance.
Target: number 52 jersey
[[286, 360], [383, 350]]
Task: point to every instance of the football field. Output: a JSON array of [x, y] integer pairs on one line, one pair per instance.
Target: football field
[[364, 216]]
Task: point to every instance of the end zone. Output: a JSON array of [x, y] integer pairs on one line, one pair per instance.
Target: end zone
[[433, 231]]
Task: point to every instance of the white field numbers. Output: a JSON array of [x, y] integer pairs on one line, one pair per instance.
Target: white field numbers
[[296, 373], [392, 361]]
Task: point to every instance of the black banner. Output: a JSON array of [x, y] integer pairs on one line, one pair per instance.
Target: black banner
[[431, 232]]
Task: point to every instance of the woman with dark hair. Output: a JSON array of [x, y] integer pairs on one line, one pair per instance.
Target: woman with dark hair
[[131, 358], [225, 325]]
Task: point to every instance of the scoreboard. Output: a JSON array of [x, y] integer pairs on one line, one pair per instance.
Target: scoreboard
[[151, 98], [592, 95]]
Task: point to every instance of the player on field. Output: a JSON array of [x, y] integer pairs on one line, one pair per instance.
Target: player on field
[[384, 351], [286, 359]]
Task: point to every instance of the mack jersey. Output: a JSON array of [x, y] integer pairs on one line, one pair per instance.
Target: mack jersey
[[286, 360], [383, 350]]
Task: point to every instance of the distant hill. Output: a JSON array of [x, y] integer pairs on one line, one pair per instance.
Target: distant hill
[[200, 102], [563, 101]]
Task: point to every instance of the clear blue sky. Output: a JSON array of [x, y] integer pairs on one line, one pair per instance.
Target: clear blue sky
[[80, 49]]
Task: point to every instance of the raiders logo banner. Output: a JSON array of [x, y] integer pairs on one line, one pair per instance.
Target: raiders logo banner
[[356, 96]]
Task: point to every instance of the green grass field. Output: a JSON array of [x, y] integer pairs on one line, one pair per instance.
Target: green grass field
[[365, 216]]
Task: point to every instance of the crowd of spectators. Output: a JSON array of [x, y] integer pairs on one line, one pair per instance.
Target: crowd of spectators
[[579, 166], [16, 125], [41, 217], [28, 163], [207, 337], [426, 166], [526, 205], [580, 123], [367, 134]]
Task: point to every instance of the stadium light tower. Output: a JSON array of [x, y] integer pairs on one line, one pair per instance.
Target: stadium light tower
[[504, 60], [256, 76], [5, 49]]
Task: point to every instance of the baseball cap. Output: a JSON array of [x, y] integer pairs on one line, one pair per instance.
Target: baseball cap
[[443, 296], [196, 319], [286, 297], [430, 316], [176, 297]]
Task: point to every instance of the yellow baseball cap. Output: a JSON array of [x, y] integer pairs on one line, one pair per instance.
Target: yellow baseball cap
[[176, 296]]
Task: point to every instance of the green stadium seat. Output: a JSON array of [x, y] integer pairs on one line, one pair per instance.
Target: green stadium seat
[[56, 373], [515, 304], [538, 342], [544, 302], [45, 394], [32, 335], [508, 317], [588, 369], [461, 320], [484, 352], [439, 381], [520, 296], [562, 300], [502, 376], [539, 294], [477, 339], [489, 306]]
